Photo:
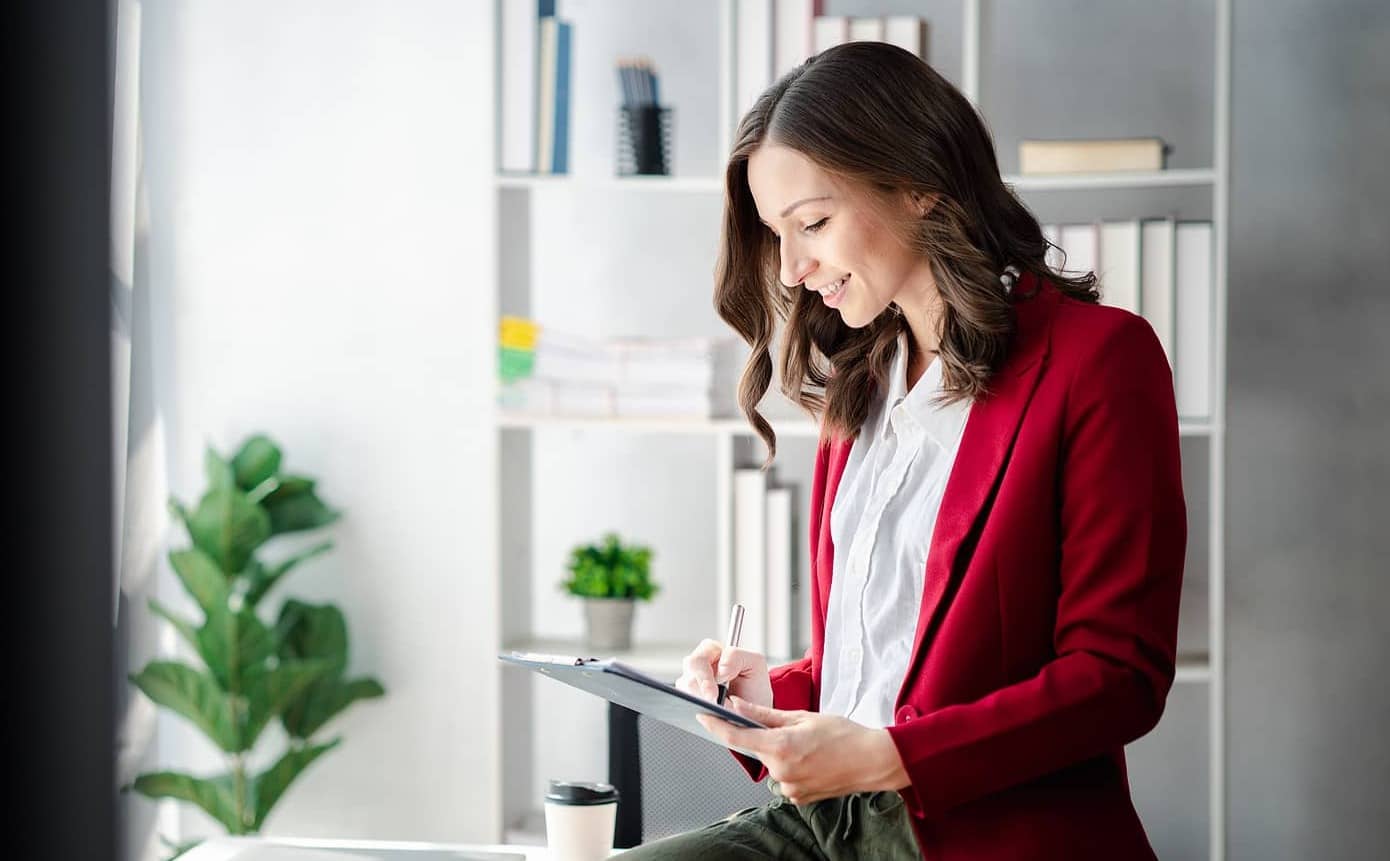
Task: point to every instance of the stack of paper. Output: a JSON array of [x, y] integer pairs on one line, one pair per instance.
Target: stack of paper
[[546, 371]]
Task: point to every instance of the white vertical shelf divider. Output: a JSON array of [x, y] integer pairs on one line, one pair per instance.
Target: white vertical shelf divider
[[970, 55], [1216, 465], [728, 76]]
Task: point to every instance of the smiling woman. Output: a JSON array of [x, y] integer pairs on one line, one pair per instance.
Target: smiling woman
[[997, 525]]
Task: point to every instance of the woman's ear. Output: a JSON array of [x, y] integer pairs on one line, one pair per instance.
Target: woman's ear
[[921, 203]]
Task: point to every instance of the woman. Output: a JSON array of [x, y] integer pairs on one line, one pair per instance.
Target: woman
[[997, 520]]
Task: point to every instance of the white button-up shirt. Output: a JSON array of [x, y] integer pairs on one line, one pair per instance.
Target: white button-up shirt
[[881, 523]]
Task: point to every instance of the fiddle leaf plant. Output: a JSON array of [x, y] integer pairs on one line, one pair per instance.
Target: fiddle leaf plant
[[251, 672], [610, 570]]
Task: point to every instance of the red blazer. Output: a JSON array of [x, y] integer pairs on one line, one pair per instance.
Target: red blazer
[[1046, 636]]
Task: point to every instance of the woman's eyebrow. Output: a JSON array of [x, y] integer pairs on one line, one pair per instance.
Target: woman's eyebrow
[[789, 209]]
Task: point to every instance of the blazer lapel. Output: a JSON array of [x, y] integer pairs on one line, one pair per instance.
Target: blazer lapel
[[837, 457], [984, 448]]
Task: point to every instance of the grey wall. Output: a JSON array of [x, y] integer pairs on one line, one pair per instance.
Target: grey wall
[[1308, 549]]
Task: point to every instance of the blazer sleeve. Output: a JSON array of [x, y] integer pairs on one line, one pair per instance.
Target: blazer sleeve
[[1123, 532]]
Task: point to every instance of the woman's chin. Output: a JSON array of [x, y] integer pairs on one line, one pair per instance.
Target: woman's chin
[[854, 317]]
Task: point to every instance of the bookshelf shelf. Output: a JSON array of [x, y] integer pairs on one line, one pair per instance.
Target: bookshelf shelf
[[530, 453], [735, 427], [715, 185], [1098, 181], [684, 184], [711, 426]]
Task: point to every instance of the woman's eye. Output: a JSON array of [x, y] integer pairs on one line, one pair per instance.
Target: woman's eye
[[815, 228]]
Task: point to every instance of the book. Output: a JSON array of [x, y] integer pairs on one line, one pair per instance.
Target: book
[[865, 30], [1081, 242], [792, 25], [520, 26], [1192, 373], [1156, 296], [753, 59], [1119, 264], [907, 32], [781, 574], [548, 47], [1089, 156], [750, 555], [561, 145], [829, 31]]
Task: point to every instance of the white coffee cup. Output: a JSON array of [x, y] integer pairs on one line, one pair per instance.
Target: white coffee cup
[[579, 820]]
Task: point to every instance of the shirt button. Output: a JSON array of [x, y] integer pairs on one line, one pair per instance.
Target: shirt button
[[854, 653], [906, 713]]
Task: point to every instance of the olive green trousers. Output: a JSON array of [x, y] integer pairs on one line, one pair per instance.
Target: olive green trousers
[[862, 825]]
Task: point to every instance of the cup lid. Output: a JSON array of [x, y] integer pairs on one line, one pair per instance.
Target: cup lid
[[580, 793]]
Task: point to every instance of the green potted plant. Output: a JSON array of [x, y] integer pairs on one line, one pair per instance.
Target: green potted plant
[[252, 671], [610, 578]]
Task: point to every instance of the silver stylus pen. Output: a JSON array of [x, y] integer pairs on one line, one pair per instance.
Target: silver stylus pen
[[731, 642]]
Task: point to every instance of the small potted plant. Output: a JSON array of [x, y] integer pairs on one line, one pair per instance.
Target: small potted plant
[[610, 577]]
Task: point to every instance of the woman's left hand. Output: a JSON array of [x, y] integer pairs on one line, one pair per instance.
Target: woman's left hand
[[811, 755]]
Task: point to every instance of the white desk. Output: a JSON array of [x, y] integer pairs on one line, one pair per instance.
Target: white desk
[[307, 849], [311, 849]]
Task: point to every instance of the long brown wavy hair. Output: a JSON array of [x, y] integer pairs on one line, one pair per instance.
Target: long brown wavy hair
[[882, 123]]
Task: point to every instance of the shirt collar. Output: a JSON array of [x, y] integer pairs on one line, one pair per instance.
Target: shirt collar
[[921, 416]]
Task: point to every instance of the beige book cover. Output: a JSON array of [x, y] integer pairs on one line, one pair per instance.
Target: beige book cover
[[1089, 156]]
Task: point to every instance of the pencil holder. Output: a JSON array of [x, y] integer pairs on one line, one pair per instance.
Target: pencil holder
[[644, 140]]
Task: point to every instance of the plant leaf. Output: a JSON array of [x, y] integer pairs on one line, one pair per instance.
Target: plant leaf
[[292, 485], [182, 625], [261, 579], [313, 631], [269, 691], [179, 848], [218, 470], [201, 577], [194, 695], [213, 794], [229, 527], [258, 459], [294, 507], [272, 783], [323, 700], [232, 643]]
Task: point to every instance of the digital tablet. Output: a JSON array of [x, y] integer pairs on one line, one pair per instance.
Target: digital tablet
[[633, 689]]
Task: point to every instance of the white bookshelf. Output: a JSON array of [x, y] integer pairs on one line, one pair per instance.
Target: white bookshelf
[[731, 436]]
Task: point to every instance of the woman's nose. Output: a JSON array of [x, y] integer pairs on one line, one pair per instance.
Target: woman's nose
[[795, 265]]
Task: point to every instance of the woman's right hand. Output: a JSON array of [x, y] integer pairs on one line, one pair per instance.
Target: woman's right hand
[[712, 663]]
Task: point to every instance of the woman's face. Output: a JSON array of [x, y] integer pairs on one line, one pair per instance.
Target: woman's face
[[827, 235]]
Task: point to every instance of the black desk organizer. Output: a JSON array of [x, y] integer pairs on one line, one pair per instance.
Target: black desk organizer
[[644, 140]]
